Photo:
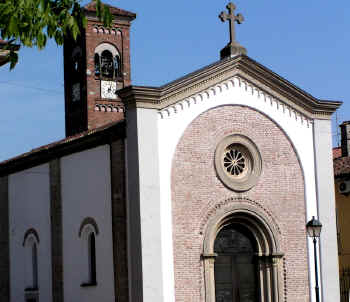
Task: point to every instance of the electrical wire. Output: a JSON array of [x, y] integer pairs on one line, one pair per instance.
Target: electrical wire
[[57, 92]]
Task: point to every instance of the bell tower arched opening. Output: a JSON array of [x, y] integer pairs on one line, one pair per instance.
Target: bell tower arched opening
[[96, 67]]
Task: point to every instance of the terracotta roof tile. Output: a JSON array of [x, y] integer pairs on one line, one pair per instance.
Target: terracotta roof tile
[[341, 166], [336, 152], [59, 143], [91, 7]]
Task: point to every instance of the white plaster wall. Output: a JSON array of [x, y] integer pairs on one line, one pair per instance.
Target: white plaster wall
[[29, 207], [172, 123], [145, 141], [328, 255], [86, 192]]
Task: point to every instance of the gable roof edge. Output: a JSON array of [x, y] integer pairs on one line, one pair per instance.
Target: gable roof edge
[[255, 73]]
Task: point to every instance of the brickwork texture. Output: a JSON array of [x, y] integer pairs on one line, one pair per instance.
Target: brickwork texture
[[122, 42], [197, 192], [119, 221], [56, 231]]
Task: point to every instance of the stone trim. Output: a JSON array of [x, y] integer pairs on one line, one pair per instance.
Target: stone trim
[[88, 221], [119, 221], [241, 203], [252, 89], [29, 232], [109, 107], [253, 73], [268, 254], [4, 241], [253, 163], [100, 29], [56, 231]]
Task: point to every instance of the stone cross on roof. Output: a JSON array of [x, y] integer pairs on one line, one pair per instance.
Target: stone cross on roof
[[232, 18], [233, 48]]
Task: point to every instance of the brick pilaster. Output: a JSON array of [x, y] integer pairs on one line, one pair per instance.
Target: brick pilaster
[[56, 231], [119, 225], [4, 241]]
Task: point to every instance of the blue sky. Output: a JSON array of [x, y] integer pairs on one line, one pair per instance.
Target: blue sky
[[306, 42]]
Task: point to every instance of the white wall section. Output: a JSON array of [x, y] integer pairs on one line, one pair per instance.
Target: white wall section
[[86, 192], [142, 136], [326, 210], [29, 207]]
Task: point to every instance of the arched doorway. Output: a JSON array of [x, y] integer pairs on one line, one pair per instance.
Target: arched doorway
[[241, 257], [235, 268]]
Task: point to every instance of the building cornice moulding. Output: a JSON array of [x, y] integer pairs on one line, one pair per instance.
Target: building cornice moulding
[[255, 77]]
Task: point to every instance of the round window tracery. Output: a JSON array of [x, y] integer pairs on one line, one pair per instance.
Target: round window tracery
[[238, 162], [234, 161]]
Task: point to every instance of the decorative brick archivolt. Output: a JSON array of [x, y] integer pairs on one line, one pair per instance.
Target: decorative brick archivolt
[[236, 203], [107, 46], [211, 223], [248, 88], [30, 233], [88, 221]]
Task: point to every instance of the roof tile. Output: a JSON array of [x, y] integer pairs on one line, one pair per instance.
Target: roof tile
[[91, 7], [341, 166]]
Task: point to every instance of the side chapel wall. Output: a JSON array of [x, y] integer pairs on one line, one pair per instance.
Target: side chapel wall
[[86, 192], [29, 208]]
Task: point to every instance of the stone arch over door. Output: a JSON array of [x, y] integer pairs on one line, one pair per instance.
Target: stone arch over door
[[265, 254]]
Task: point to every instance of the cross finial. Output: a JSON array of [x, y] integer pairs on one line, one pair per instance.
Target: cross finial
[[233, 48], [232, 19]]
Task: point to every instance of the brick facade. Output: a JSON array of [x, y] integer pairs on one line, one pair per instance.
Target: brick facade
[[119, 221], [56, 231], [197, 193], [91, 111], [122, 42]]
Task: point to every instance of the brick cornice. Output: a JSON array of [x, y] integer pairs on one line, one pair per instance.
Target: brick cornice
[[263, 80]]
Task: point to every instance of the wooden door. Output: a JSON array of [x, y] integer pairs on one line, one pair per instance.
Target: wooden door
[[235, 268]]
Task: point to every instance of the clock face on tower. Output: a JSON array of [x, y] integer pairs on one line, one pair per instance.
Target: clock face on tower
[[108, 89]]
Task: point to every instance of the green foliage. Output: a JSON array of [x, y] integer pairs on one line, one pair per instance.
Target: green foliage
[[32, 22]]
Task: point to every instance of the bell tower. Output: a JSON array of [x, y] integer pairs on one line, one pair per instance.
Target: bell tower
[[96, 66]]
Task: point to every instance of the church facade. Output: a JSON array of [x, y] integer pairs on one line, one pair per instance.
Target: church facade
[[196, 191]]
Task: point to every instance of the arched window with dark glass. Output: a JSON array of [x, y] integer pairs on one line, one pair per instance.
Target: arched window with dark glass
[[107, 65], [31, 269], [35, 265], [97, 65], [92, 258], [117, 66], [235, 267], [76, 62], [87, 232]]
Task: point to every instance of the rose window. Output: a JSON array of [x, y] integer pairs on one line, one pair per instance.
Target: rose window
[[234, 162], [238, 162]]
